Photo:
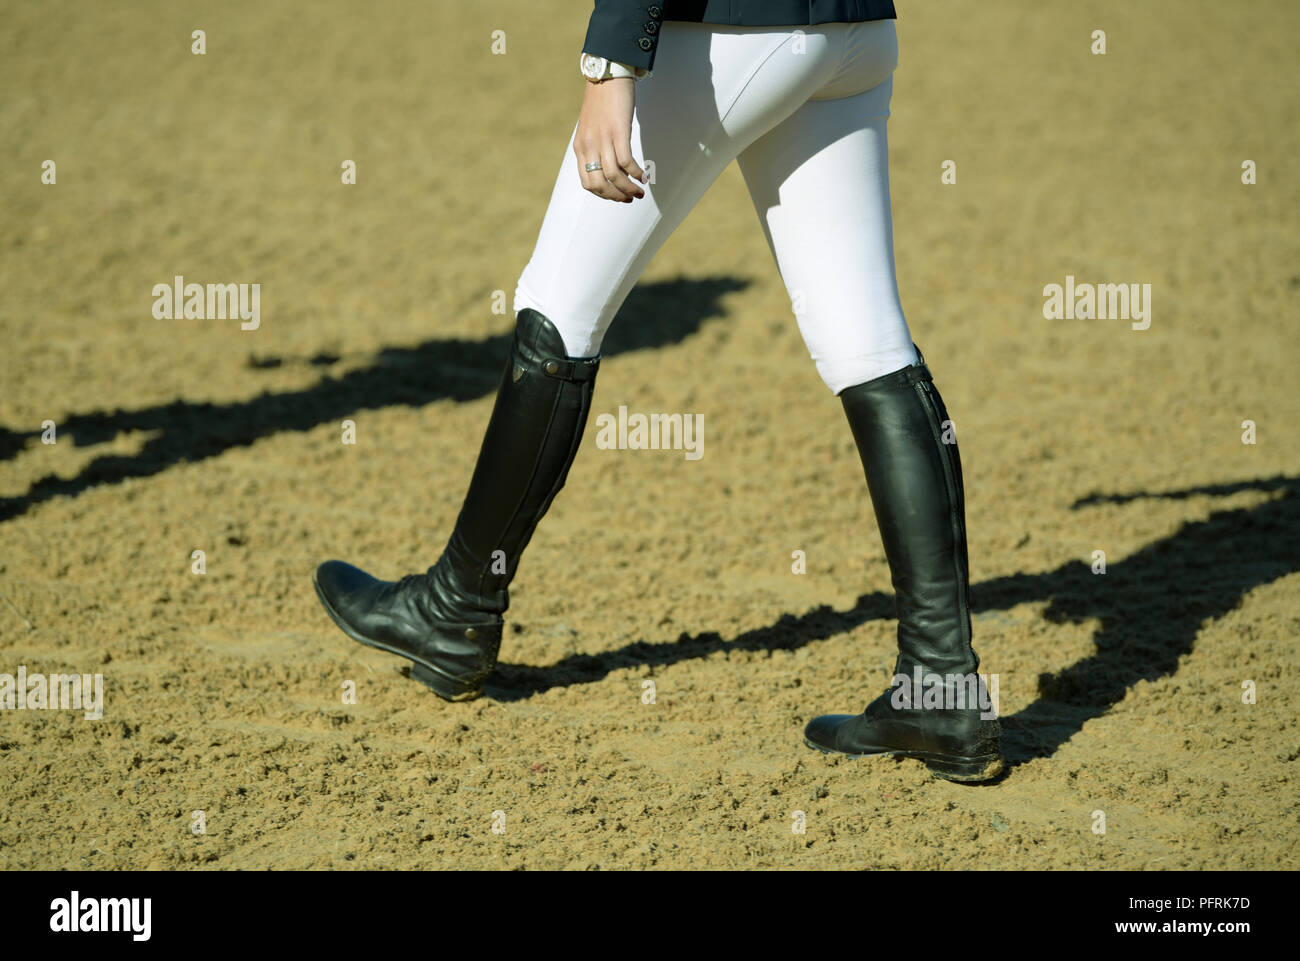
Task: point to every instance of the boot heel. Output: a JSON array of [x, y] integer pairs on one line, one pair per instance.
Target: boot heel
[[966, 769], [445, 687]]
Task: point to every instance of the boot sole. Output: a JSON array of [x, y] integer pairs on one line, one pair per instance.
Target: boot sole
[[948, 767], [445, 686]]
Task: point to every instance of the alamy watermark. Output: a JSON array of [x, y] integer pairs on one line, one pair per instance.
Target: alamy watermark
[[626, 431], [1098, 302], [181, 301], [922, 690], [53, 692], [102, 915]]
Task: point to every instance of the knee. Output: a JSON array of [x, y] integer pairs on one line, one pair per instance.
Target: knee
[[580, 338]]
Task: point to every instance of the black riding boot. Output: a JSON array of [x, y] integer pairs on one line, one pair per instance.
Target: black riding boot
[[448, 620], [933, 711]]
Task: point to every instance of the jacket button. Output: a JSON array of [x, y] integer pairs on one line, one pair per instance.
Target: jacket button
[[550, 367], [470, 633], [654, 12], [651, 27], [645, 43]]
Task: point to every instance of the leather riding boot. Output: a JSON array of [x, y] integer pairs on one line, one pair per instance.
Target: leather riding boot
[[937, 709], [447, 621]]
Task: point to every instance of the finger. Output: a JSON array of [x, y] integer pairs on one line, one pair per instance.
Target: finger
[[586, 177], [598, 183], [614, 175], [628, 163], [623, 179], [584, 154], [595, 181]]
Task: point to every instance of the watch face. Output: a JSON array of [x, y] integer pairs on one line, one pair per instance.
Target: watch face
[[593, 66]]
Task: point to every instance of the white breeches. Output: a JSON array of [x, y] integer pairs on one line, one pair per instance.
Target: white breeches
[[803, 110]]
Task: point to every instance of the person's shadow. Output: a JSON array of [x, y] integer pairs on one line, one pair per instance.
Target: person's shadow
[[654, 315], [1150, 606]]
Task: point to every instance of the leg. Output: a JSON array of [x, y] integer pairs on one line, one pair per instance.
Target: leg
[[713, 93], [820, 184], [938, 710], [447, 621]]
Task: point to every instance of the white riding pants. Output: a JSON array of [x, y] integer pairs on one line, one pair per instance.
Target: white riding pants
[[803, 110]]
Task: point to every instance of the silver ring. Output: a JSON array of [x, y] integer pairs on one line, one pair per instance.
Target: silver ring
[[593, 166]]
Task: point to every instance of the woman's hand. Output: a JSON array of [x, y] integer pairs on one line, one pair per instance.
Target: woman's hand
[[604, 136]]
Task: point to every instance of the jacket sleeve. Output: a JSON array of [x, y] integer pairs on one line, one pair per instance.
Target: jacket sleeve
[[626, 31]]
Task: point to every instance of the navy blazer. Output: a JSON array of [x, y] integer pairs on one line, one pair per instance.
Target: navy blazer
[[628, 30]]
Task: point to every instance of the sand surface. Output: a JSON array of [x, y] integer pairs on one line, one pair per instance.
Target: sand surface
[[1121, 693]]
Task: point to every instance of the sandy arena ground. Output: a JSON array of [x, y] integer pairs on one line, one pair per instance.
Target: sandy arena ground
[[1121, 693]]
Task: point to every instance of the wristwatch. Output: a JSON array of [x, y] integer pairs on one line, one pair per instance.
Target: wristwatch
[[598, 69]]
